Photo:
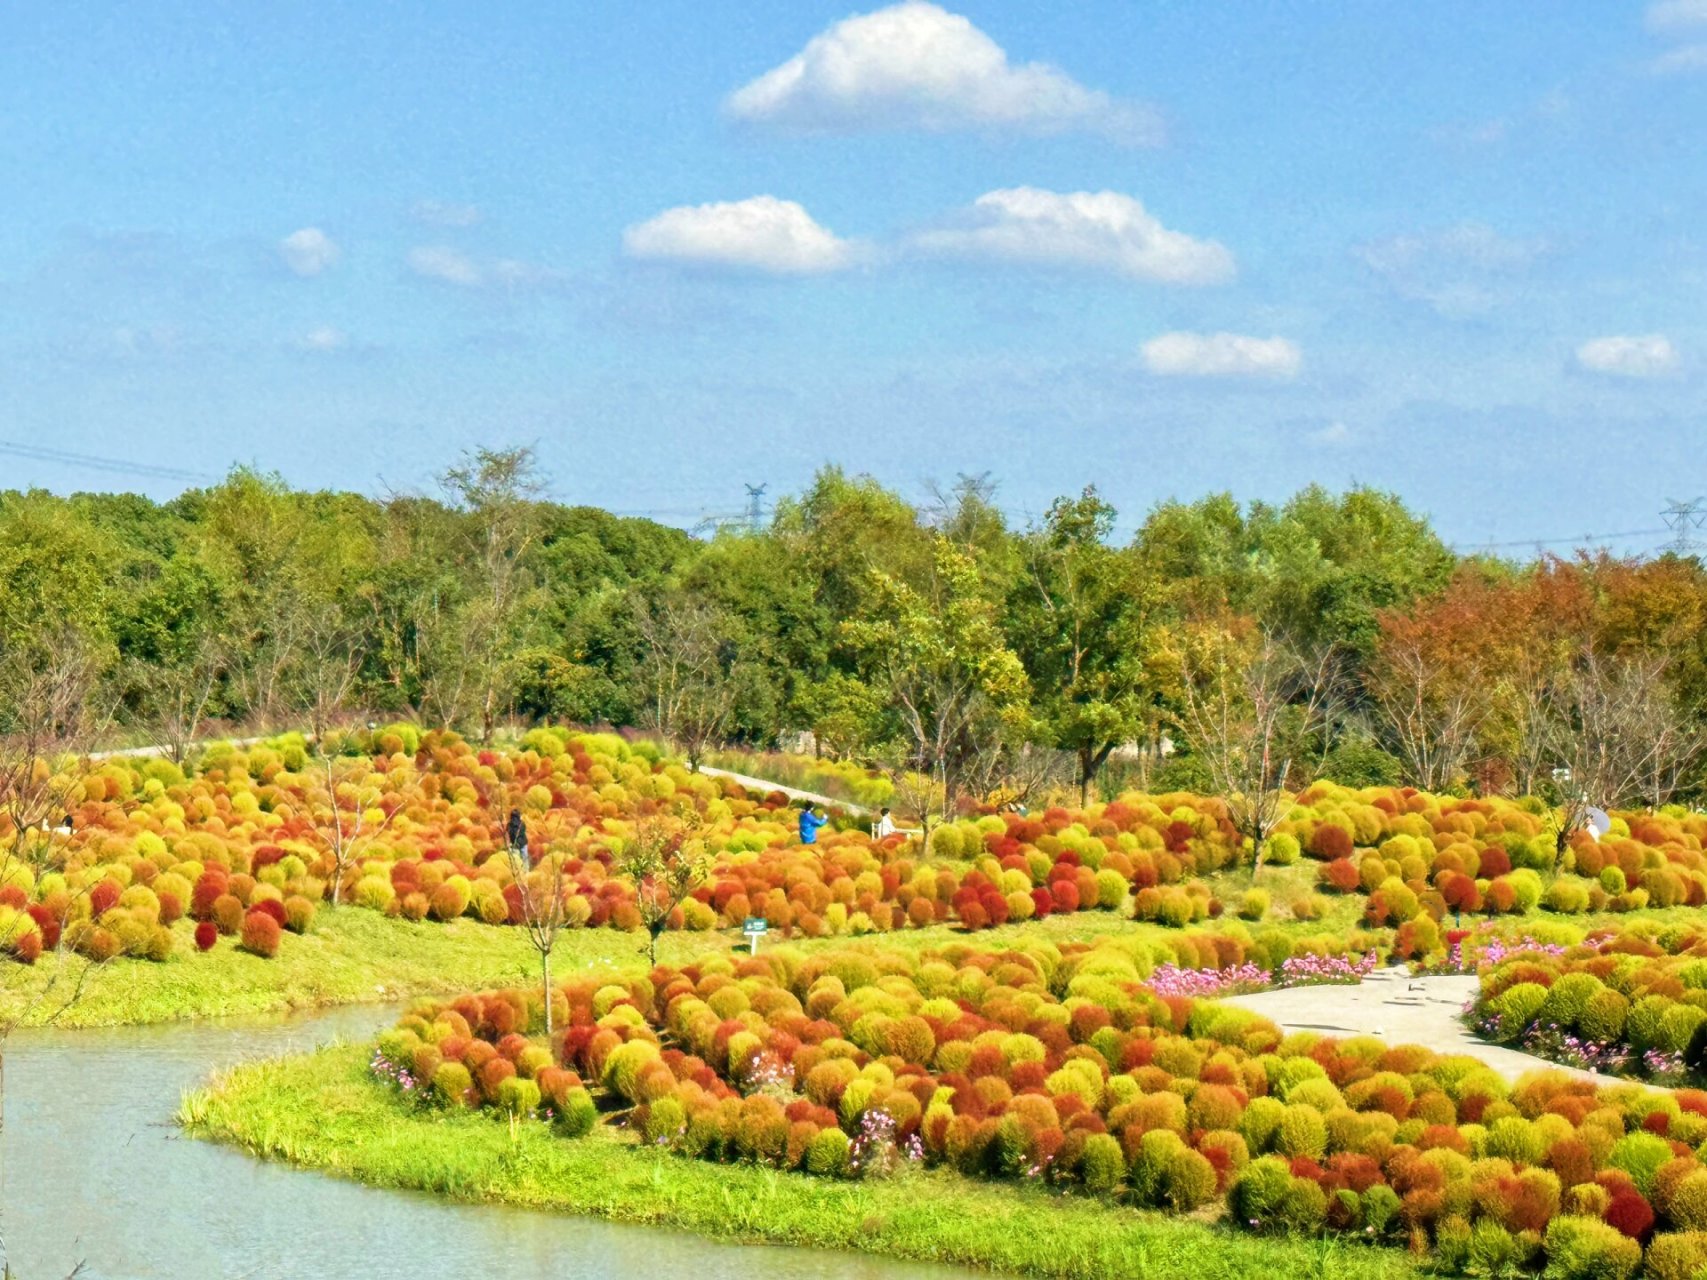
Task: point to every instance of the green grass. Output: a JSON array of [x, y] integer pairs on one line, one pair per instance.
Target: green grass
[[323, 1111]]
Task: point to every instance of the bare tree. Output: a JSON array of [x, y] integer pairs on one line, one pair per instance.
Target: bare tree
[[1236, 709], [50, 709], [346, 831], [171, 699], [666, 862], [1432, 710], [326, 667], [685, 671], [1622, 740], [916, 795], [1533, 694], [542, 895]]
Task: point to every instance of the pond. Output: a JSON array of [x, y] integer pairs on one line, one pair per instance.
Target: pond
[[96, 1173]]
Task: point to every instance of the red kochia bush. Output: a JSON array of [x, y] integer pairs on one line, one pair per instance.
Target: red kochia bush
[[47, 923], [261, 933], [1340, 874], [207, 933], [1630, 1214], [273, 908], [103, 898], [1329, 842]]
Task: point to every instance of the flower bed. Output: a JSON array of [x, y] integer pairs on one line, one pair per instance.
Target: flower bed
[[1629, 1003], [1061, 1066]]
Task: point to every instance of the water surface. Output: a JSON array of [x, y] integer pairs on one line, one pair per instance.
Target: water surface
[[95, 1172]]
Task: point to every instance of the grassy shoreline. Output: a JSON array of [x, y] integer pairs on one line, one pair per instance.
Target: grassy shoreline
[[323, 1111]]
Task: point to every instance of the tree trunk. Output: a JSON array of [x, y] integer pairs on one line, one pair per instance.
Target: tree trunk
[[545, 988]]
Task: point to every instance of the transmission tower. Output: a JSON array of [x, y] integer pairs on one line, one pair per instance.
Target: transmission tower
[[756, 507], [1684, 519]]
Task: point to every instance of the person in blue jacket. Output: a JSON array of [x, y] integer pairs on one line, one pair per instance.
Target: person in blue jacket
[[809, 824]]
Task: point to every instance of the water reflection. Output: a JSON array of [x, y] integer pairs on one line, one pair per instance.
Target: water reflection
[[96, 1172]]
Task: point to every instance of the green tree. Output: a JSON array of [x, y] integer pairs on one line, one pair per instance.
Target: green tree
[[938, 650], [1080, 619]]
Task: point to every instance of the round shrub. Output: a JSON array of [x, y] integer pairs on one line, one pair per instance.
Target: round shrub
[[452, 1082], [1568, 997], [1603, 1016], [207, 933], [299, 913], [1302, 1132], [1282, 850], [1103, 1164], [578, 1114], [1587, 1249], [261, 934], [517, 1097], [228, 913], [827, 1154], [1678, 1255]]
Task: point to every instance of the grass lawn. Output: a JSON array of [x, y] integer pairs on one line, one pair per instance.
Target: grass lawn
[[323, 1111]]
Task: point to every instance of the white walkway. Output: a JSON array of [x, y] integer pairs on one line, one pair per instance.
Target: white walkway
[[1400, 1009]]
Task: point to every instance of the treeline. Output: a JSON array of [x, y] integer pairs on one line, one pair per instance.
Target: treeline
[[1223, 648]]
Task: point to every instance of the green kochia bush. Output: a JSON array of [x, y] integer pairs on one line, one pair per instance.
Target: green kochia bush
[[1588, 1249]]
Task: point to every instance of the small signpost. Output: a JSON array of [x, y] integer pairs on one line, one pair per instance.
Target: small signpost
[[755, 928]]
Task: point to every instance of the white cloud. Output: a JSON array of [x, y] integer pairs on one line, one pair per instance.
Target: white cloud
[[1458, 271], [917, 66], [442, 213], [1101, 231], [309, 251], [1681, 60], [324, 338], [759, 234], [1670, 15], [1335, 433], [444, 264], [1649, 355], [1221, 355]]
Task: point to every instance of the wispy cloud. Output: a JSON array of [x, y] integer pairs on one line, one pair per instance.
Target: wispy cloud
[[309, 251], [1459, 271], [1648, 355], [1100, 231], [1221, 355], [443, 213]]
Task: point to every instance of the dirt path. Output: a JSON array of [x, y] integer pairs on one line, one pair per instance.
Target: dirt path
[[1400, 1009]]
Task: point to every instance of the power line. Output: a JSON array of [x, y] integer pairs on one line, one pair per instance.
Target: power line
[[1580, 539], [97, 462]]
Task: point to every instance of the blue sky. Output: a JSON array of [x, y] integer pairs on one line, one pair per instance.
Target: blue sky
[[1453, 249]]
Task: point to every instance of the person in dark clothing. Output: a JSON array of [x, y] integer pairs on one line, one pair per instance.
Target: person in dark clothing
[[517, 831]]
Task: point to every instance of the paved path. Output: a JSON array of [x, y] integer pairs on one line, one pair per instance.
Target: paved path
[[1400, 1009], [793, 793]]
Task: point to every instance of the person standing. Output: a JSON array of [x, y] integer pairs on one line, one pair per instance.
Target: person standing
[[517, 831], [810, 821], [884, 826]]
